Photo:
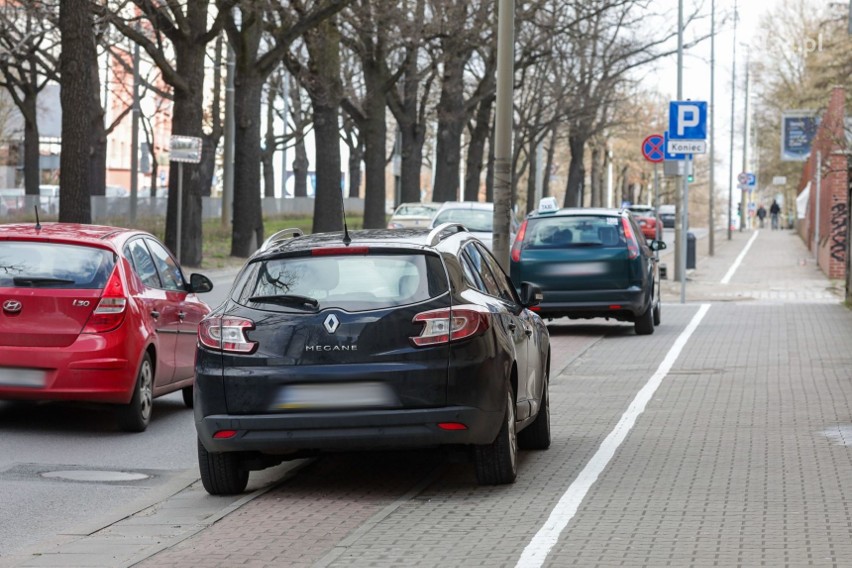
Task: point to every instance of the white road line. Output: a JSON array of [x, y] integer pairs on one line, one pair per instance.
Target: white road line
[[539, 547], [739, 260]]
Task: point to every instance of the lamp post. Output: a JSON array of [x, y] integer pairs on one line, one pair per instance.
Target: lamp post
[[503, 130], [733, 103]]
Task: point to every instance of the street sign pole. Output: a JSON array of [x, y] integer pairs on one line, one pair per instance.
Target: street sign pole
[[684, 227], [179, 209], [183, 149]]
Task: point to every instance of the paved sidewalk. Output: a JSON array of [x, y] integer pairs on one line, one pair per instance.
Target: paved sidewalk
[[743, 457]]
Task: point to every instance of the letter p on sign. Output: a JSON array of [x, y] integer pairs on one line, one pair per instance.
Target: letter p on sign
[[688, 120], [687, 117]]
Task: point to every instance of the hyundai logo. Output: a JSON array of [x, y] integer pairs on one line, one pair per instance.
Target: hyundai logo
[[331, 323], [12, 306]]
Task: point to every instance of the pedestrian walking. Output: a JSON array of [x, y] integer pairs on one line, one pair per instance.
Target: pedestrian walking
[[774, 211], [761, 214]]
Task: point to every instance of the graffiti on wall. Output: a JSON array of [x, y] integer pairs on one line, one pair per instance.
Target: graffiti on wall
[[839, 215]]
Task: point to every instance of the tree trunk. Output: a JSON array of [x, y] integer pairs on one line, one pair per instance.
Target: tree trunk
[[32, 169], [187, 120], [576, 172], [374, 135], [412, 133], [548, 166], [489, 171], [451, 118], [78, 56], [356, 154], [324, 48], [531, 179], [595, 177], [269, 146], [247, 229], [97, 163], [300, 168], [476, 150]]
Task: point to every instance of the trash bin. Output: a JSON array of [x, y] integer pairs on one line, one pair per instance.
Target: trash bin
[[690, 250]]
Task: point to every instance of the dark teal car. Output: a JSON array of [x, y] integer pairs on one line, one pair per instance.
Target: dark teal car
[[590, 263]]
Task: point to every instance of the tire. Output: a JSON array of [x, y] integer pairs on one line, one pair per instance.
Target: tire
[[221, 473], [657, 310], [536, 436], [497, 463], [644, 324], [136, 416], [187, 396]]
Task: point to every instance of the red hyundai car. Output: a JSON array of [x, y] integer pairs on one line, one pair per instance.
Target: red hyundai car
[[96, 314], [649, 221]]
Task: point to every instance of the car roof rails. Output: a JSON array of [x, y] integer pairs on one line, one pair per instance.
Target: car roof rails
[[280, 236], [437, 233]]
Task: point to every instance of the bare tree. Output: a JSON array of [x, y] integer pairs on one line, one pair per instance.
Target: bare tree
[[28, 46], [175, 36]]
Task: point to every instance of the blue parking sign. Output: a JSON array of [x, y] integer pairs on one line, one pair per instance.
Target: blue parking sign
[[688, 120]]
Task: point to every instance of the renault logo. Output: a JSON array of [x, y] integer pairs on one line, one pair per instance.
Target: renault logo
[[12, 306], [331, 323]]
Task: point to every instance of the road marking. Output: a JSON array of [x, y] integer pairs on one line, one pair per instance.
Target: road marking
[[539, 547], [739, 260]]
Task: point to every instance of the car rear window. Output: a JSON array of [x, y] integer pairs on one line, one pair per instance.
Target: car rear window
[[574, 231], [350, 282], [479, 220], [51, 265]]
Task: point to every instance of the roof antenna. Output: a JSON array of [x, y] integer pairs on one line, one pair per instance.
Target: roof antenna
[[38, 225], [346, 238]]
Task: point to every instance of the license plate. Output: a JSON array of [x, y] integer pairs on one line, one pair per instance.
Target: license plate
[[17, 377], [336, 396]]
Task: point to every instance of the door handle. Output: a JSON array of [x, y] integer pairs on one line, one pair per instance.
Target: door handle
[[181, 315], [512, 327], [155, 314], [528, 331]]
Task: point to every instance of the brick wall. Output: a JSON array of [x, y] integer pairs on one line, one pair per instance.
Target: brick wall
[[830, 143]]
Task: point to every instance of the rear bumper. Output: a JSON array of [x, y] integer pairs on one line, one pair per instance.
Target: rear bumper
[[367, 429], [623, 305], [95, 368]]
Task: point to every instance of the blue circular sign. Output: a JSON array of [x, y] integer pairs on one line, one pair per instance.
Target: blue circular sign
[[653, 148]]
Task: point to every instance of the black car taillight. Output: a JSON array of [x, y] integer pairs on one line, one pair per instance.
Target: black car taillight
[[451, 324], [226, 334]]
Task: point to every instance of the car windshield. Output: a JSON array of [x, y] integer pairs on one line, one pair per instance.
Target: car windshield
[[351, 282], [480, 220], [414, 210], [53, 265], [574, 231]]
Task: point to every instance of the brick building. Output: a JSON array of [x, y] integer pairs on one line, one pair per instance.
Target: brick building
[[825, 228]]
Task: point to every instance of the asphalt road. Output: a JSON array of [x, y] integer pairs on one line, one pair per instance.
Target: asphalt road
[[45, 438]]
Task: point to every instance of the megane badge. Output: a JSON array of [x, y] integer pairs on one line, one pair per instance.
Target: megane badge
[[331, 323], [12, 306]]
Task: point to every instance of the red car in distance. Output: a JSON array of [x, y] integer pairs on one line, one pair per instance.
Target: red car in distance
[[649, 221], [96, 314]]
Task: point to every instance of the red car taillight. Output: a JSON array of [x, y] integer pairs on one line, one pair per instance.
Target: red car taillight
[[451, 324], [632, 244], [519, 239], [110, 311], [226, 334]]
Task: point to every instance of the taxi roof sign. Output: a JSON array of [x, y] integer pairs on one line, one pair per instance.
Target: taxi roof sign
[[548, 205]]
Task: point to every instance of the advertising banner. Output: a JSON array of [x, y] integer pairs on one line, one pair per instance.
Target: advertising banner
[[798, 128]]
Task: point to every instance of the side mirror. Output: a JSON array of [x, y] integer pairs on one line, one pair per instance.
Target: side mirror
[[657, 245], [531, 294], [200, 283]]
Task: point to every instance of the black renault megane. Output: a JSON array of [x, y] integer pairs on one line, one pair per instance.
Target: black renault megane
[[378, 339]]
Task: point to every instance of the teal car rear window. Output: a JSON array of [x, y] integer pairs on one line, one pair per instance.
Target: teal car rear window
[[574, 231]]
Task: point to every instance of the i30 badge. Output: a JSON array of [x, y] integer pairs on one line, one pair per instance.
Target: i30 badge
[[331, 323], [12, 306]]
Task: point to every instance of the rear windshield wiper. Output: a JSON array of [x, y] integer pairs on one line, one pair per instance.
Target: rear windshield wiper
[[36, 281], [288, 299]]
